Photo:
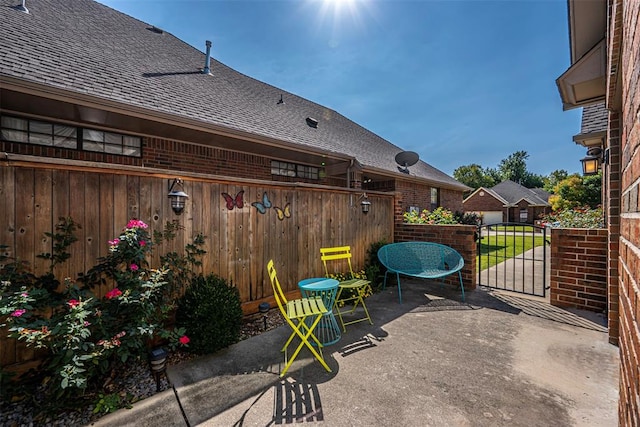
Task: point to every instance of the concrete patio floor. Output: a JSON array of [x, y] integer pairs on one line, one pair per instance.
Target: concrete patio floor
[[497, 360]]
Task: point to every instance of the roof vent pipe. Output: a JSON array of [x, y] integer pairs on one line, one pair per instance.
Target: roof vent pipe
[[23, 7], [207, 59]]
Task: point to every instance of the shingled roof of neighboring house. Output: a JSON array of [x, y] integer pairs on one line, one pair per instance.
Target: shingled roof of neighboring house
[[513, 193], [89, 49], [487, 191]]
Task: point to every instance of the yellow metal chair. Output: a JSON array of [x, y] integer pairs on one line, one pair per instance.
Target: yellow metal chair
[[356, 288], [295, 312]]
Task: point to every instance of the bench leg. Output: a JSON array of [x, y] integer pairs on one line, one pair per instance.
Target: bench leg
[[461, 284], [399, 290]]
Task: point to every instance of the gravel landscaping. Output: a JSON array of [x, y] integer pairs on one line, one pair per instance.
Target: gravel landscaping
[[135, 383]]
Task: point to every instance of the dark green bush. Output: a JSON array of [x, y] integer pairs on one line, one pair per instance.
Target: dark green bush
[[374, 269], [210, 312]]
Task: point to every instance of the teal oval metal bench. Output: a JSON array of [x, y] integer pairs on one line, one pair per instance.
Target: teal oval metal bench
[[425, 260]]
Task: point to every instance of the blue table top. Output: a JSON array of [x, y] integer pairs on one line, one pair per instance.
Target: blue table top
[[318, 284]]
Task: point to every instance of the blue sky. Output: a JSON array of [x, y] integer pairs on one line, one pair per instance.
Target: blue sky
[[459, 82]]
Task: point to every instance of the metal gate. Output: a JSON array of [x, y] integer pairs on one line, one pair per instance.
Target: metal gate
[[513, 257]]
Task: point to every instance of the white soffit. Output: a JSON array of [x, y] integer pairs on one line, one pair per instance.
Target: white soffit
[[585, 81]]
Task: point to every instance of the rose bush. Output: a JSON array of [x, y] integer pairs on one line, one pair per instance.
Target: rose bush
[[584, 217], [86, 336]]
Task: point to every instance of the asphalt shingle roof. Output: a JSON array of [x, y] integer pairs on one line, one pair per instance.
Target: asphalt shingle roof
[[87, 48], [513, 192]]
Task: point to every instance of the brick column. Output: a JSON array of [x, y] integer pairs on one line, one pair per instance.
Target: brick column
[[612, 214], [579, 268]]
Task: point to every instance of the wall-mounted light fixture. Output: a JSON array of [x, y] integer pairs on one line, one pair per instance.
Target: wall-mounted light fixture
[[177, 195], [591, 163], [365, 204]]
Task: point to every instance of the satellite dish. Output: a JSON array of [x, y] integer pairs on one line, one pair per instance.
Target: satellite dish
[[405, 159]]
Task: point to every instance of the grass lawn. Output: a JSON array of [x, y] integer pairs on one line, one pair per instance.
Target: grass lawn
[[496, 248]]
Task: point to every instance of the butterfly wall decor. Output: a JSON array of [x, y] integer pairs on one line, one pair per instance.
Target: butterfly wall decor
[[232, 202], [262, 207], [283, 213]]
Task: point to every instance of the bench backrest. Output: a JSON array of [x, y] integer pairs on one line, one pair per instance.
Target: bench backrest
[[407, 256], [335, 254]]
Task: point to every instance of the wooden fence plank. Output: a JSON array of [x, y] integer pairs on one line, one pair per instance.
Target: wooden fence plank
[[7, 237], [25, 235], [60, 209], [43, 221], [92, 212], [77, 212], [25, 216], [120, 209], [7, 210]]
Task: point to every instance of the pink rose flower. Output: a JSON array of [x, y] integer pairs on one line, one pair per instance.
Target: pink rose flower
[[114, 242], [133, 267], [18, 313], [143, 243], [136, 223], [73, 302], [184, 340], [113, 293]]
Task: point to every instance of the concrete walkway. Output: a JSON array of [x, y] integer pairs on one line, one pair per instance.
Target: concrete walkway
[[431, 361]]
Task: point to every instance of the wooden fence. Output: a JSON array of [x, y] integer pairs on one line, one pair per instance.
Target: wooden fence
[[240, 238]]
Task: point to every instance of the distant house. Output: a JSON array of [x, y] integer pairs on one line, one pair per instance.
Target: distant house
[[508, 202]]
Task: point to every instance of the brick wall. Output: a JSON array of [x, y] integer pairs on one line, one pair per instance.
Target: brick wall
[[451, 200], [414, 194], [174, 155], [482, 203], [579, 268], [625, 145]]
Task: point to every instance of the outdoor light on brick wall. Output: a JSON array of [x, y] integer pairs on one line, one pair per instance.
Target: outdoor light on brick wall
[[591, 163], [177, 195]]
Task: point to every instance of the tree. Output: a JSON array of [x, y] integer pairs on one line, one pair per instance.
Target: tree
[[533, 180], [514, 167], [474, 176], [576, 191], [550, 181]]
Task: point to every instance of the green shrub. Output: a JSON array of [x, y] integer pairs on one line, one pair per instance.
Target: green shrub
[[373, 267], [210, 312], [437, 216], [468, 218]]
